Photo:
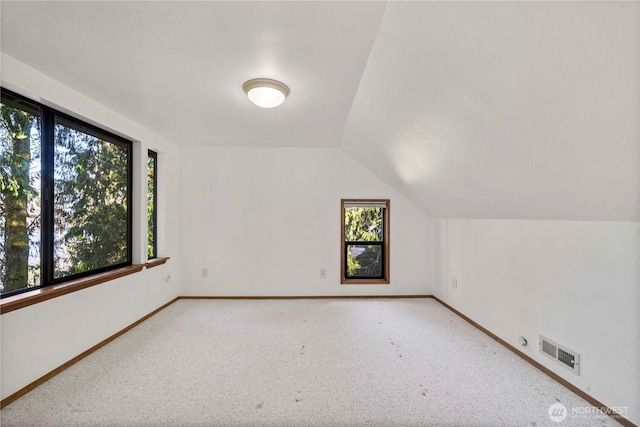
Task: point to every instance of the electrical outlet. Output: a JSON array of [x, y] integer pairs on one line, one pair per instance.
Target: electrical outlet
[[204, 273], [323, 273], [454, 282]]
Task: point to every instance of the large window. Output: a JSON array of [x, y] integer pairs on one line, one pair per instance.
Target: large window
[[365, 241], [152, 205], [65, 197]]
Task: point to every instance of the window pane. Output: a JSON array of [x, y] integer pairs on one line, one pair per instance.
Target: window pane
[[19, 195], [151, 204], [363, 224], [90, 206], [364, 260]]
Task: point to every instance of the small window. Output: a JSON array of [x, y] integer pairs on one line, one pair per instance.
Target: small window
[[365, 241], [152, 205]]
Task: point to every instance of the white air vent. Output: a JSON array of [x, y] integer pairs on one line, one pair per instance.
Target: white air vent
[[567, 358]]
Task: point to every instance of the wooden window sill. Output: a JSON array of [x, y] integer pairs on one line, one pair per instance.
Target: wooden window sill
[[26, 299], [364, 281], [156, 262]]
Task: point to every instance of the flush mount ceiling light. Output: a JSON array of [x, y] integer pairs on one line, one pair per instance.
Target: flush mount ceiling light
[[266, 93]]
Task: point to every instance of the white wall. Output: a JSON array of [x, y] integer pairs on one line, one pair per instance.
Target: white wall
[[41, 337], [265, 220], [574, 282]]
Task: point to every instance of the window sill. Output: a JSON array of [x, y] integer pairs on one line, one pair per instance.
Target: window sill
[[156, 262], [39, 295], [364, 281]]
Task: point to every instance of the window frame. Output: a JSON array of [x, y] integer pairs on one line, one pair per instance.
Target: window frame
[[385, 278], [49, 118]]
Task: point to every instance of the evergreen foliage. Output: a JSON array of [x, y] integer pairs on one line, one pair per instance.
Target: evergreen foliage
[[19, 209]]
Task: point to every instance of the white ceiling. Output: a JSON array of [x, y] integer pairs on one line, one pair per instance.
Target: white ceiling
[[471, 109], [178, 67]]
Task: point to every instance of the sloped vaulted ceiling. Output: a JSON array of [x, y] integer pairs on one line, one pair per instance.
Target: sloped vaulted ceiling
[[504, 110], [471, 109]]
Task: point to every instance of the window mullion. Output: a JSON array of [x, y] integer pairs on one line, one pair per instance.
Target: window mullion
[[47, 196], [129, 191]]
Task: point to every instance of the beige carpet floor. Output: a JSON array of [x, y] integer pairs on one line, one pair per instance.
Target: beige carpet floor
[[351, 362]]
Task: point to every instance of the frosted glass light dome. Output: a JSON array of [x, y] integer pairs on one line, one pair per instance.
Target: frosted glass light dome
[[266, 93]]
